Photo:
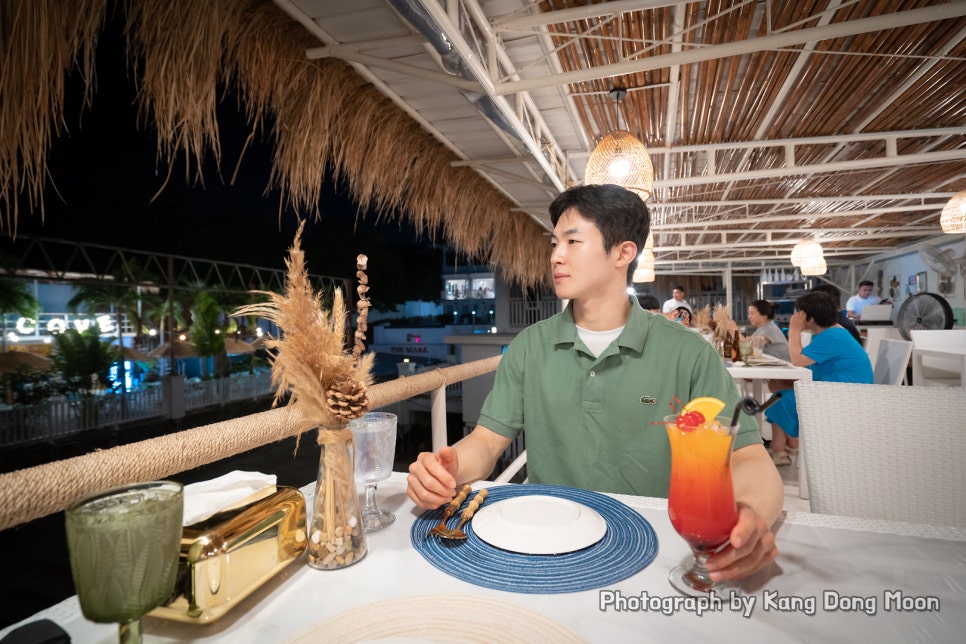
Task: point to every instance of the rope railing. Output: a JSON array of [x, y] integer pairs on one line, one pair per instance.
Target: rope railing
[[35, 492]]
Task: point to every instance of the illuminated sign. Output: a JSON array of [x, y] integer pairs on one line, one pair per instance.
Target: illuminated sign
[[54, 324]]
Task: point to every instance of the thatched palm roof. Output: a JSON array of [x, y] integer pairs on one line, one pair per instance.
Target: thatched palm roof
[[187, 55]]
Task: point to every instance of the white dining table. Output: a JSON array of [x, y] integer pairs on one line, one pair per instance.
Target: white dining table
[[751, 380], [836, 579], [955, 354]]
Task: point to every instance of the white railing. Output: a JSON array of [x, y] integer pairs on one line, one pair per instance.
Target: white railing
[[523, 313], [58, 418]]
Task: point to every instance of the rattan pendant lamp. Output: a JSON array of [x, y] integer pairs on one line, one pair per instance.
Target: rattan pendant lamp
[[620, 158], [806, 249], [953, 218]]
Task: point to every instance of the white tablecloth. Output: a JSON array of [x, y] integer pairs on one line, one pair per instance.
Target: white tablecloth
[[836, 580]]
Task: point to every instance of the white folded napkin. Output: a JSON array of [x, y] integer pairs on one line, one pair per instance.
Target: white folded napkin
[[205, 498]]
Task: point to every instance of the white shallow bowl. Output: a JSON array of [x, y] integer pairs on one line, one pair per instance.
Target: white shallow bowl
[[539, 525]]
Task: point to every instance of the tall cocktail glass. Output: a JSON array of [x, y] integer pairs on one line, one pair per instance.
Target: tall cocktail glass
[[374, 449], [124, 544], [701, 499]]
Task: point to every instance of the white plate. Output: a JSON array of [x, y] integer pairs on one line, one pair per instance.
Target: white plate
[[767, 362], [539, 525]]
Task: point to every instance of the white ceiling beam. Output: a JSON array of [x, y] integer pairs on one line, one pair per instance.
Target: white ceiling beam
[[857, 137], [720, 220], [482, 75], [934, 13], [524, 23], [355, 56], [938, 197], [817, 169]]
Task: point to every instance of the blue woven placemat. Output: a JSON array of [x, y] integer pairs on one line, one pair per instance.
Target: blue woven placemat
[[628, 547]]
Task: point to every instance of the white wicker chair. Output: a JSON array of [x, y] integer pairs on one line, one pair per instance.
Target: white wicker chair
[[884, 452]]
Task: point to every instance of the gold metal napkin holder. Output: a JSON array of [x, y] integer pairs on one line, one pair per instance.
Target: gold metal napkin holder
[[230, 554]]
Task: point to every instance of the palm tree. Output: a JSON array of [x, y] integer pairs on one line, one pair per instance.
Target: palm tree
[[114, 297], [84, 360], [16, 297], [206, 330], [84, 363]]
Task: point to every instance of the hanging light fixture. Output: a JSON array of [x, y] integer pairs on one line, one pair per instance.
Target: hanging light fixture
[[814, 266], [645, 267], [620, 158], [642, 274], [953, 218], [806, 249]]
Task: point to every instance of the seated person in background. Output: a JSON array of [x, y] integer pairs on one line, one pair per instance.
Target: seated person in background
[[844, 320], [864, 296], [649, 303], [682, 315], [831, 355], [761, 315], [676, 301], [591, 386]]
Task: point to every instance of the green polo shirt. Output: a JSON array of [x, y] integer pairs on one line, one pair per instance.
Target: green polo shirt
[[590, 421]]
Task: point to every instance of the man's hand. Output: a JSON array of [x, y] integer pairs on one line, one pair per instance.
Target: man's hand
[[797, 322], [752, 548], [432, 478]]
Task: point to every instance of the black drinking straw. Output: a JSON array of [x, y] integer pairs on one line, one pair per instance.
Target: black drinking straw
[[751, 407]]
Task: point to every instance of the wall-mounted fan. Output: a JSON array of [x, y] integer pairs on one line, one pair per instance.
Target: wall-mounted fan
[[945, 265], [924, 311], [942, 261]]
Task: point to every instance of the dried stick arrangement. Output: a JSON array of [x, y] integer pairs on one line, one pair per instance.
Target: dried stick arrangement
[[328, 386]]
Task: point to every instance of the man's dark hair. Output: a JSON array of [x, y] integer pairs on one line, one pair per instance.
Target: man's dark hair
[[648, 302], [678, 288], [831, 289], [619, 214], [765, 308], [866, 283], [820, 307]]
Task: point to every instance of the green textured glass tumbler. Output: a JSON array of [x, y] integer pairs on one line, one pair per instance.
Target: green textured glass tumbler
[[124, 544]]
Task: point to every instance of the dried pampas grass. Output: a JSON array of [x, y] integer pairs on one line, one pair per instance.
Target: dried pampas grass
[[309, 360], [722, 321]]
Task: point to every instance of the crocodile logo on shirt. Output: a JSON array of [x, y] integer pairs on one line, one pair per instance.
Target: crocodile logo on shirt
[[648, 400]]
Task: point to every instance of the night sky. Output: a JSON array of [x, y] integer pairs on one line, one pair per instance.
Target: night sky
[[103, 175]]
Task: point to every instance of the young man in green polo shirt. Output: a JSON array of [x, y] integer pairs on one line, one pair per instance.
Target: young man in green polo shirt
[[589, 384]]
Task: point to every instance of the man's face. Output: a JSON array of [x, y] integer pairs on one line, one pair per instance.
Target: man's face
[[580, 264], [678, 294], [865, 291]]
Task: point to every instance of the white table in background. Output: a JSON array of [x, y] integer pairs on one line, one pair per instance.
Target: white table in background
[[953, 353], [821, 559], [751, 381]]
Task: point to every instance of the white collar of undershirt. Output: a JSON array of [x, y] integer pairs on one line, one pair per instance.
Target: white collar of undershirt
[[597, 341]]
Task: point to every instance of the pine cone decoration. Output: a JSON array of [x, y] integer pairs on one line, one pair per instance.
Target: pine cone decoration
[[347, 399]]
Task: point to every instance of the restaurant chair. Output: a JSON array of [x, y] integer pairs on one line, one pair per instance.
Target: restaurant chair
[[884, 452], [891, 362]]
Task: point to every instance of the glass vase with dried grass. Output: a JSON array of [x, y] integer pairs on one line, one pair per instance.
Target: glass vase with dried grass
[[336, 537], [328, 387]]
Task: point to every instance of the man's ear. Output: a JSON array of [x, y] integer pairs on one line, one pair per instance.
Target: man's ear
[[626, 253]]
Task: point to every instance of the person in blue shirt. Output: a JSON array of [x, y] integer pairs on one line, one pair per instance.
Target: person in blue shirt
[[832, 356], [843, 319]]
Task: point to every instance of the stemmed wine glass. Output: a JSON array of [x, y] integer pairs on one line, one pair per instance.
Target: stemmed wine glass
[[701, 499], [124, 544], [374, 448]]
